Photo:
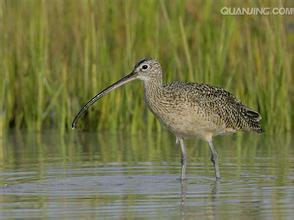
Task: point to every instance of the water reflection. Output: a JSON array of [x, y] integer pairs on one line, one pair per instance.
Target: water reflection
[[130, 176], [183, 197], [212, 196]]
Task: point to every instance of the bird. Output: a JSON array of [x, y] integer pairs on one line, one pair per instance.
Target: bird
[[187, 109]]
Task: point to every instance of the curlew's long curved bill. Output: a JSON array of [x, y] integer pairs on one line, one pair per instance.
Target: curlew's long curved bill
[[107, 90]]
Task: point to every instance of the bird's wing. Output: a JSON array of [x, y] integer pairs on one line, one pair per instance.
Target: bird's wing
[[201, 93], [218, 105]]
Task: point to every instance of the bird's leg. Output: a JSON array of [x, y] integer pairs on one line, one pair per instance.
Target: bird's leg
[[183, 157], [214, 159]]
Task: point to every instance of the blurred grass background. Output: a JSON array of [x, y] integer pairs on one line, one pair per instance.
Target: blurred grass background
[[55, 55]]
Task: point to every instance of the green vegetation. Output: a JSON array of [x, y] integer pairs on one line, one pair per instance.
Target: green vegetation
[[55, 55]]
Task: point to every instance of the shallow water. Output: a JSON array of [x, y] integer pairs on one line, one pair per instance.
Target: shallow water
[[88, 175]]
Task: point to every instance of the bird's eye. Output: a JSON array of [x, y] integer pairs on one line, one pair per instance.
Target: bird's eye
[[145, 67]]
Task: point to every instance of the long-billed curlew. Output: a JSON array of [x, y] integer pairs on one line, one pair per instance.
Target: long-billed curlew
[[188, 109]]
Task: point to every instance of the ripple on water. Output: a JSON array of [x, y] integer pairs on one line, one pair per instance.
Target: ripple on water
[[256, 185]]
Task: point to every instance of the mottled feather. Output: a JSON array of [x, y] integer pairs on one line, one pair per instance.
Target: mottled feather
[[217, 101]]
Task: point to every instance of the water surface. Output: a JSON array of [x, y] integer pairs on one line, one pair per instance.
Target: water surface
[[123, 176]]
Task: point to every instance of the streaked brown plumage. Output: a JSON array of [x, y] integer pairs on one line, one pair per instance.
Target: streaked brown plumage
[[188, 109], [184, 107]]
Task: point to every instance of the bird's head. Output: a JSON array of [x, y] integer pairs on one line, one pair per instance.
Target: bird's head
[[147, 69]]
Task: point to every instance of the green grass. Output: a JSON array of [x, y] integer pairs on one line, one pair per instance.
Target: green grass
[[55, 55]]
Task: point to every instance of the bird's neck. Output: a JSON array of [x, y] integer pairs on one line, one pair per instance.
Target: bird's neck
[[153, 92], [152, 85]]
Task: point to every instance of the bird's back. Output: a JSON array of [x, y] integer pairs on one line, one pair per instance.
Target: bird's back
[[216, 105]]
